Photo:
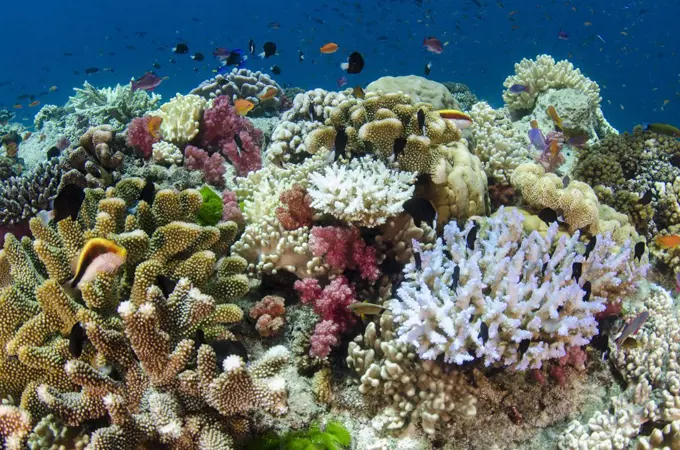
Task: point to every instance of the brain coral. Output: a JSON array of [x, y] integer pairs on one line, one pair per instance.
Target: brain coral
[[418, 88], [542, 74]]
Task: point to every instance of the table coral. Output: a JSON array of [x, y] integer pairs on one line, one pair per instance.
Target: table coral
[[365, 191], [510, 289], [418, 88], [405, 387]]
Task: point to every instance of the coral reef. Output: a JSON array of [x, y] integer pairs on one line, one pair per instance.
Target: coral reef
[[462, 94], [418, 88], [212, 166], [504, 297], [181, 118], [245, 84], [97, 161], [166, 154]]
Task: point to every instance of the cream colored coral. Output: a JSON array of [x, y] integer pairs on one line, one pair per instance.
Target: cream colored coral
[[181, 118], [321, 101], [459, 187], [544, 73], [577, 202], [498, 144], [418, 88], [365, 192], [381, 133], [166, 154]]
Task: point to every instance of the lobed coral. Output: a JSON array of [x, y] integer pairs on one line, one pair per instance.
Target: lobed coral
[[97, 161], [508, 297], [181, 118]]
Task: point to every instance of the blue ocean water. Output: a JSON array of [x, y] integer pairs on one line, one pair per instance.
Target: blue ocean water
[[629, 47]]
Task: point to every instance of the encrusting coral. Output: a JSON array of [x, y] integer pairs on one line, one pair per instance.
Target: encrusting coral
[[135, 367], [507, 296]]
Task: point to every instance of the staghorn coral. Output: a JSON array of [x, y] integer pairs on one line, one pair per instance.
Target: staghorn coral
[[404, 387], [418, 88], [365, 191], [511, 286], [245, 84], [181, 118], [499, 146], [542, 74]]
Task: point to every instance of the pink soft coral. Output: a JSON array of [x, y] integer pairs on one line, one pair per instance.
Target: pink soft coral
[[297, 211], [269, 313], [220, 127], [343, 248], [138, 135], [331, 304], [231, 210], [212, 166]]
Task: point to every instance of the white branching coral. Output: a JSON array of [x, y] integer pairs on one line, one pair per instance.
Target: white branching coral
[[181, 117], [542, 74], [509, 297], [365, 191], [320, 101], [499, 145], [410, 388]]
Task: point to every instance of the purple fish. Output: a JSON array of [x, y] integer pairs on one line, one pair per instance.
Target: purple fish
[[432, 44], [578, 140], [148, 82], [632, 327], [517, 88], [342, 81], [537, 139], [221, 52], [563, 35]]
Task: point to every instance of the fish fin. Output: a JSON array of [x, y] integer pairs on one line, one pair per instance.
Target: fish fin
[[344, 66], [106, 263]]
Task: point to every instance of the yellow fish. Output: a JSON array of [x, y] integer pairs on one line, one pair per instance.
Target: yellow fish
[[459, 118], [97, 256], [552, 112], [364, 309], [243, 107]]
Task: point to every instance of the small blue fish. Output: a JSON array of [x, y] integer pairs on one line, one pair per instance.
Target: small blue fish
[[518, 88]]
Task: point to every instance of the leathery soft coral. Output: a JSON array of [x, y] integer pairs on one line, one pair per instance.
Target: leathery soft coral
[[512, 297], [219, 129]]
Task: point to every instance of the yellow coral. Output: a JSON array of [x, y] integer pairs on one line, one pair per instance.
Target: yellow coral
[[181, 118]]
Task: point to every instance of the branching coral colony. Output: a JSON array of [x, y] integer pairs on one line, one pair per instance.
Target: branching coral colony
[[363, 247]]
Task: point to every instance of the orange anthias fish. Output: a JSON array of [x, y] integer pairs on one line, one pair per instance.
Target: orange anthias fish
[[243, 107], [552, 112], [154, 126], [331, 47], [269, 93], [534, 125], [34, 103], [98, 256], [459, 118], [18, 106], [667, 242], [554, 147]]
